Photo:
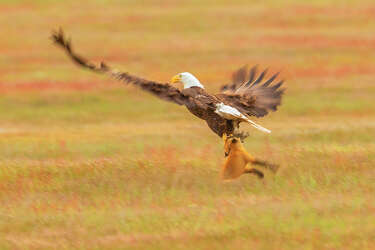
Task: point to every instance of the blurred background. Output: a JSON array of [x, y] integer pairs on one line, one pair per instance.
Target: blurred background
[[86, 162]]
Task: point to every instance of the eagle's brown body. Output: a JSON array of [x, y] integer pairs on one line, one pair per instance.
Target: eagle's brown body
[[245, 93], [203, 106]]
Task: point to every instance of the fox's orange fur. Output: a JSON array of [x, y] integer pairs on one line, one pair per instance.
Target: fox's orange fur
[[238, 159]]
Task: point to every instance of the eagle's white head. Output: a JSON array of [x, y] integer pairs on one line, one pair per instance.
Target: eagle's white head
[[187, 79]]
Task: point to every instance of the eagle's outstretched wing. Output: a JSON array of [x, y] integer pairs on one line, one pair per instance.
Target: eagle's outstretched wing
[[252, 95], [162, 90]]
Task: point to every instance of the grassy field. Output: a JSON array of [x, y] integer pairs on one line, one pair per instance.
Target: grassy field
[[87, 163]]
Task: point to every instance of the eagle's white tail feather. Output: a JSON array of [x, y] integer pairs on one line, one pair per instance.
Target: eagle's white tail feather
[[231, 113], [257, 126]]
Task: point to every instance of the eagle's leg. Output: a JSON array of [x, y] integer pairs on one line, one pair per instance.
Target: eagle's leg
[[237, 133], [225, 136], [227, 129]]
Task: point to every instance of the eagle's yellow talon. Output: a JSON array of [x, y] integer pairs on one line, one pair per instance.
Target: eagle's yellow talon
[[225, 137]]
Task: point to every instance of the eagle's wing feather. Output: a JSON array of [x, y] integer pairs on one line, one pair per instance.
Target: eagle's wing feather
[[252, 97], [162, 90], [238, 78]]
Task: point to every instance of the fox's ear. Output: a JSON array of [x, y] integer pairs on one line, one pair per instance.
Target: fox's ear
[[234, 140]]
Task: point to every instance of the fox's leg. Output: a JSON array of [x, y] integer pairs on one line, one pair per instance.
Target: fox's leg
[[264, 164], [255, 161], [248, 158], [251, 159], [254, 171], [267, 165]]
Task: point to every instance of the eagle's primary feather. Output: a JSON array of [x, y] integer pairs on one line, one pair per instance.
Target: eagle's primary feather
[[245, 94], [249, 95]]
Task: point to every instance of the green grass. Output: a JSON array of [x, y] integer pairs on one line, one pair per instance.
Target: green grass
[[87, 163]]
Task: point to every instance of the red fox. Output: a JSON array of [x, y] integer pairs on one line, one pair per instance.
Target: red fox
[[237, 160]]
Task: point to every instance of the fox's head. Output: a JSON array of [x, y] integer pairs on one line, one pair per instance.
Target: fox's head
[[231, 143]]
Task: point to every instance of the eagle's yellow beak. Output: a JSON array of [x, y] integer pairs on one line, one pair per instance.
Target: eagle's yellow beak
[[176, 79]]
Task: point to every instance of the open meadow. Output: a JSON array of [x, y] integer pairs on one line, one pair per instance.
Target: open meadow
[[88, 163]]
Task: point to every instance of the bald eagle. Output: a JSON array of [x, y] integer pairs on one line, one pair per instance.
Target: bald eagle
[[247, 95]]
